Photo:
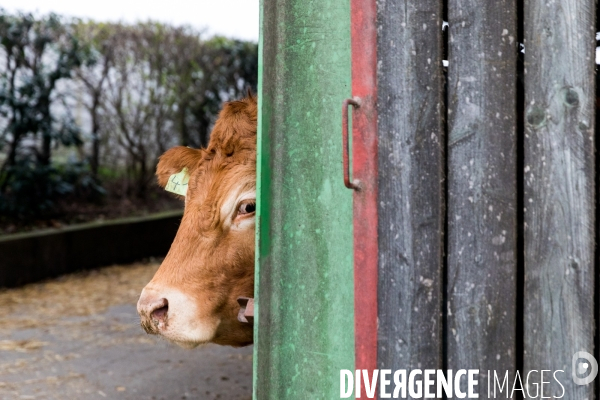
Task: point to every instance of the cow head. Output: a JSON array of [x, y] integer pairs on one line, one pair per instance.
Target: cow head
[[192, 298]]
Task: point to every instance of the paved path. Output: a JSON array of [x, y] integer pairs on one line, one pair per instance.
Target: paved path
[[78, 337]]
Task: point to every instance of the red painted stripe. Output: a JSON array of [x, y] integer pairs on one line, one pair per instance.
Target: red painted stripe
[[364, 170]]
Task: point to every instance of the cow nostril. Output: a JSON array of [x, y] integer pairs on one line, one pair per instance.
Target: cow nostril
[[160, 311]]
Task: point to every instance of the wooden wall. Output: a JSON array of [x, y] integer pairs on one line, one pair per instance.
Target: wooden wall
[[486, 217], [482, 194]]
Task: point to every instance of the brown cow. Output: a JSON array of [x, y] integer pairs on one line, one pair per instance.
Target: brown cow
[[192, 298]]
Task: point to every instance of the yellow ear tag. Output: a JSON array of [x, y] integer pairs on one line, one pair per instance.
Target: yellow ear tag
[[178, 183]]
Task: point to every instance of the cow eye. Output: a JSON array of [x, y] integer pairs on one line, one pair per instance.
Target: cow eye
[[246, 208]]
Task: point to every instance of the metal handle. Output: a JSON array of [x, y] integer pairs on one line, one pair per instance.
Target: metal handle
[[354, 102]]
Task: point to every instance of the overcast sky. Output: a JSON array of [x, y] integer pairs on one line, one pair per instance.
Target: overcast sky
[[232, 18]]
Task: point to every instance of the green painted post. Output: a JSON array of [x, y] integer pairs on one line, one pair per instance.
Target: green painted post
[[304, 272]]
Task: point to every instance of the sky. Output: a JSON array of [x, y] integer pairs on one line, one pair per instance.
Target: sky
[[231, 18]]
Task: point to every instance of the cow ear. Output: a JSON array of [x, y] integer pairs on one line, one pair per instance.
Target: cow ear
[[178, 163]]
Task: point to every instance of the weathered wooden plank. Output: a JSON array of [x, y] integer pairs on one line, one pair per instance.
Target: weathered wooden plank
[[411, 184], [304, 284], [481, 276], [559, 188]]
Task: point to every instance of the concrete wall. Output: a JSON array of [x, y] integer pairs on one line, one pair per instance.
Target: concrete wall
[[30, 257]]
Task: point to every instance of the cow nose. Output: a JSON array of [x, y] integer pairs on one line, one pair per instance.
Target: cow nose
[[158, 311], [153, 313]]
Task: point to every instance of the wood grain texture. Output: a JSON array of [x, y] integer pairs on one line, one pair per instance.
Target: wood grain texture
[[481, 275], [411, 184], [559, 187]]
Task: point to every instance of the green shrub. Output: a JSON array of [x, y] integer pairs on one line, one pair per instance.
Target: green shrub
[[34, 190]]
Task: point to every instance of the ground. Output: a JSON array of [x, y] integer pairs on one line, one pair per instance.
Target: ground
[[78, 337]]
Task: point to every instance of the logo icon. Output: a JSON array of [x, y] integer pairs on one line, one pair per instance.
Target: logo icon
[[583, 367]]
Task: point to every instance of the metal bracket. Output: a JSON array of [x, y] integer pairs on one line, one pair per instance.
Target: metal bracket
[[246, 313]]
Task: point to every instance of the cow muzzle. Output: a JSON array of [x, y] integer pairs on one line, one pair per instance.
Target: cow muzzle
[[175, 316], [154, 313]]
